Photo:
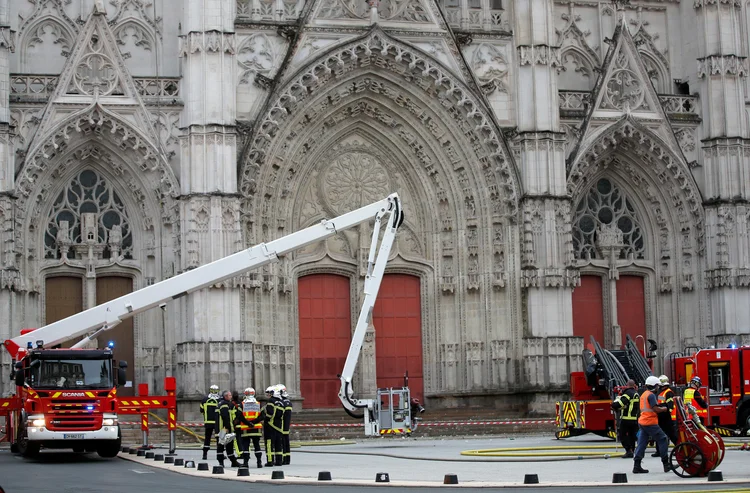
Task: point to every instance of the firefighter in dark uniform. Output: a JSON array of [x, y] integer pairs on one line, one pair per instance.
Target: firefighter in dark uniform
[[272, 417], [208, 411], [666, 398], [628, 403], [286, 402], [248, 410], [225, 423]]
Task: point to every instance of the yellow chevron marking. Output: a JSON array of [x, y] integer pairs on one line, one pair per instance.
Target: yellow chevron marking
[[6, 404], [90, 394], [56, 394], [125, 403], [135, 403], [156, 402]]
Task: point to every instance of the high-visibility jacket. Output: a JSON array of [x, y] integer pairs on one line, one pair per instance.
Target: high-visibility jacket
[[689, 397], [250, 411], [629, 403], [225, 416], [648, 415], [208, 408], [666, 398]]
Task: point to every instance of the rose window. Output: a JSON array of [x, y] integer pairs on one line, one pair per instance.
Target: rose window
[[354, 180]]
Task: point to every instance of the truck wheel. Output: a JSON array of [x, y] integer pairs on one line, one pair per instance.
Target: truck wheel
[[26, 448], [744, 421], [109, 449]]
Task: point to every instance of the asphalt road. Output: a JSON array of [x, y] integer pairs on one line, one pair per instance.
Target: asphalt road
[[63, 472]]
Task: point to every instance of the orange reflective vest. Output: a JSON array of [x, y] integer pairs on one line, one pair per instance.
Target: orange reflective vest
[[251, 410], [689, 397], [648, 416], [665, 399]]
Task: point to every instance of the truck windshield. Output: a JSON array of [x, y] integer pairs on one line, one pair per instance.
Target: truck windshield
[[71, 374]]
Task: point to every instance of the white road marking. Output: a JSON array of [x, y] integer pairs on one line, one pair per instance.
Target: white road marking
[[142, 472]]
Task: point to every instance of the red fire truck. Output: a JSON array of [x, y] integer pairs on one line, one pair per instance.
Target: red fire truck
[[725, 375]]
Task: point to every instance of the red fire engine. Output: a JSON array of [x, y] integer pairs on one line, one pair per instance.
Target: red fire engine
[[725, 377]]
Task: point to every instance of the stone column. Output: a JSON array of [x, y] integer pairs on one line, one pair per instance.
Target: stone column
[[610, 244], [208, 176], [547, 257], [10, 316], [722, 68]]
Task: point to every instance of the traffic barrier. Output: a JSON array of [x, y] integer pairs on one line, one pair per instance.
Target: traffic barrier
[[382, 477], [277, 475], [149, 455], [179, 462], [159, 457], [203, 466], [189, 464], [355, 425], [531, 479], [243, 471], [715, 476], [132, 451], [143, 403], [169, 459], [619, 477], [141, 453], [217, 470], [324, 476], [450, 479], [125, 449]]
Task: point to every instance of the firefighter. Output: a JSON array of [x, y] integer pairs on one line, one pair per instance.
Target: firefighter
[[648, 423], [692, 395], [286, 422], [628, 404], [249, 431], [208, 411], [272, 418], [225, 428], [666, 398]]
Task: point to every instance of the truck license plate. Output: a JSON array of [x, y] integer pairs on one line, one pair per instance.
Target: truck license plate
[[73, 436]]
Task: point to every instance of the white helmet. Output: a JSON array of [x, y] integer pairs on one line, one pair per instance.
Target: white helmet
[[664, 380], [269, 391], [249, 392], [652, 381], [282, 390]]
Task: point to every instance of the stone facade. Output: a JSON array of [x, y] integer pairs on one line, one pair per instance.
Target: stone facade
[[532, 142]]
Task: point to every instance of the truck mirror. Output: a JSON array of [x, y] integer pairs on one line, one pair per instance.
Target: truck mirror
[[123, 364], [19, 375], [121, 377]]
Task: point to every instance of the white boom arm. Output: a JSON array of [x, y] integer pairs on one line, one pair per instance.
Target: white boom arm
[[107, 315], [375, 270]]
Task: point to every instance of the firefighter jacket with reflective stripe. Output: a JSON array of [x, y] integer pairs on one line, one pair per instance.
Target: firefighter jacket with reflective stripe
[[272, 414], [248, 411], [693, 396], [666, 398], [225, 419], [629, 404], [208, 409], [648, 415], [287, 415]]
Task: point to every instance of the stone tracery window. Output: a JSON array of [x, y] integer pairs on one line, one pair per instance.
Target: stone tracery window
[[606, 204], [88, 192]]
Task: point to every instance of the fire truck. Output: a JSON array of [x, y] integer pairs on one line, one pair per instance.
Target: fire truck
[[67, 398], [725, 375], [605, 374]]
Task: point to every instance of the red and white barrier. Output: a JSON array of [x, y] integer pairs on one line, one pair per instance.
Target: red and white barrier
[[354, 425]]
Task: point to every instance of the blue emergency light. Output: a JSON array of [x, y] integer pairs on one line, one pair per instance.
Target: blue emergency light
[[111, 344]]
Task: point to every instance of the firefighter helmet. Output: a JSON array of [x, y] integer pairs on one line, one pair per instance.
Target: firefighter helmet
[[249, 392], [282, 390], [664, 380], [696, 380], [269, 391], [652, 381], [213, 389]]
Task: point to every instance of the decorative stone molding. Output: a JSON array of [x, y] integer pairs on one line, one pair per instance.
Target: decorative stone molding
[[407, 62], [539, 55], [7, 38], [207, 42], [699, 4], [722, 65]]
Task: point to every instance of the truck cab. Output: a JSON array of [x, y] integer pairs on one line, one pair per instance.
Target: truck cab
[[68, 401]]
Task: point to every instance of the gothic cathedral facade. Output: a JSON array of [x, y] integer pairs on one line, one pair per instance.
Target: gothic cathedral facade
[[569, 169]]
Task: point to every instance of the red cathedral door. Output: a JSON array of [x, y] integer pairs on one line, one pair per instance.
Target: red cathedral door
[[398, 333], [63, 298], [107, 289], [631, 307], [324, 337], [588, 317]]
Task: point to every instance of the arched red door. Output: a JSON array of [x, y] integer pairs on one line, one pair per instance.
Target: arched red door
[[588, 317], [324, 337], [397, 319], [631, 307]]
